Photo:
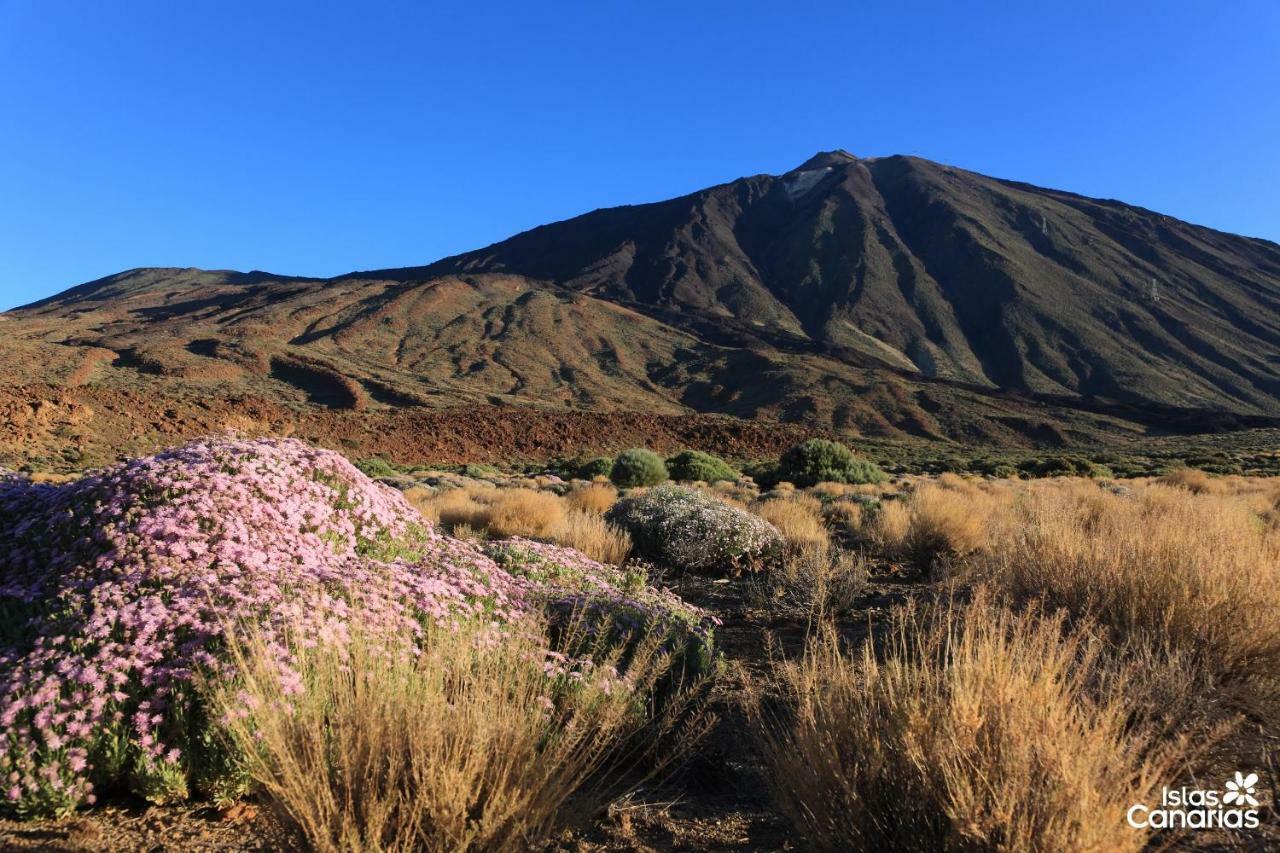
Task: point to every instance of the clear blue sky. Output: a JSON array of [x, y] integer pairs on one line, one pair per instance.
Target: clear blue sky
[[315, 138]]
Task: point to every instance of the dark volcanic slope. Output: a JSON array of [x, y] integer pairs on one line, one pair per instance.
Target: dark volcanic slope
[[920, 267], [890, 296]]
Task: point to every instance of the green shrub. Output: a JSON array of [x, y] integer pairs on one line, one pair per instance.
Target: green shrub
[[601, 466], [689, 529], [694, 465], [1003, 471], [764, 474], [1064, 466], [638, 467], [377, 467], [818, 460]]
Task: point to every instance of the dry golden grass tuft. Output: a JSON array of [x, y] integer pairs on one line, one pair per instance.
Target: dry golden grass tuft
[[1193, 480], [843, 515], [595, 498], [945, 522], [419, 498], [51, 478], [828, 490], [453, 507], [889, 525], [977, 731], [471, 745], [1184, 573], [524, 512], [576, 521], [812, 583], [797, 520], [593, 536]]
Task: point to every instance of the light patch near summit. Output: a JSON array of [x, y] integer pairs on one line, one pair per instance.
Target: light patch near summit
[[800, 183]]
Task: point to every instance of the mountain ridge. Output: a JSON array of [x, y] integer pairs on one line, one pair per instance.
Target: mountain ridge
[[886, 295]]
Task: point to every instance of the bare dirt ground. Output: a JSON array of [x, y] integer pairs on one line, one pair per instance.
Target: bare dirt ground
[[71, 428]]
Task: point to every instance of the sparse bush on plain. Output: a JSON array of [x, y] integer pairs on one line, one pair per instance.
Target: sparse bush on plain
[[638, 467], [818, 459], [889, 526], [689, 529], [695, 466], [1064, 466]]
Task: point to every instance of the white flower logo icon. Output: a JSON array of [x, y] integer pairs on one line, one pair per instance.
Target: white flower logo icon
[[1240, 790]]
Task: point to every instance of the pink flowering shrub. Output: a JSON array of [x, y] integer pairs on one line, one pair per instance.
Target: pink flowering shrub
[[116, 592]]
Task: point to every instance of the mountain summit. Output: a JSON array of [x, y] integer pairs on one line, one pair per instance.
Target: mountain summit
[[941, 273], [825, 159], [887, 295]]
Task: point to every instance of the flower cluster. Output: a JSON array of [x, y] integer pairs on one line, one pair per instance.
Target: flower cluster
[[117, 592], [692, 530]]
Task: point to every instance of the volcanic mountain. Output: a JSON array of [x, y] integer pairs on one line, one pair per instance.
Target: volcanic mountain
[[892, 296]]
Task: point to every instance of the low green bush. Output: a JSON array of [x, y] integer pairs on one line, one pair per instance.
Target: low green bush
[[819, 460], [376, 467], [601, 466], [693, 465], [638, 467], [1064, 466]]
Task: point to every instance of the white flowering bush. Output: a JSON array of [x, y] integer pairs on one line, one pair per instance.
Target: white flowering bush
[[689, 529], [118, 590]]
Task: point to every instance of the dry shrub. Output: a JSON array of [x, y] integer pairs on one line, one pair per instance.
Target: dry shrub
[[524, 512], [890, 524], [593, 536], [944, 523], [812, 583], [420, 498], [455, 507], [949, 480], [595, 498], [739, 492], [51, 478], [498, 512], [831, 490], [799, 522], [1193, 480], [466, 531], [976, 731], [843, 515], [1183, 573], [472, 745], [728, 498]]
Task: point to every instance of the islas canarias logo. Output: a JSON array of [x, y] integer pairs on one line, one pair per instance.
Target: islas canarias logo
[[1233, 807]]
